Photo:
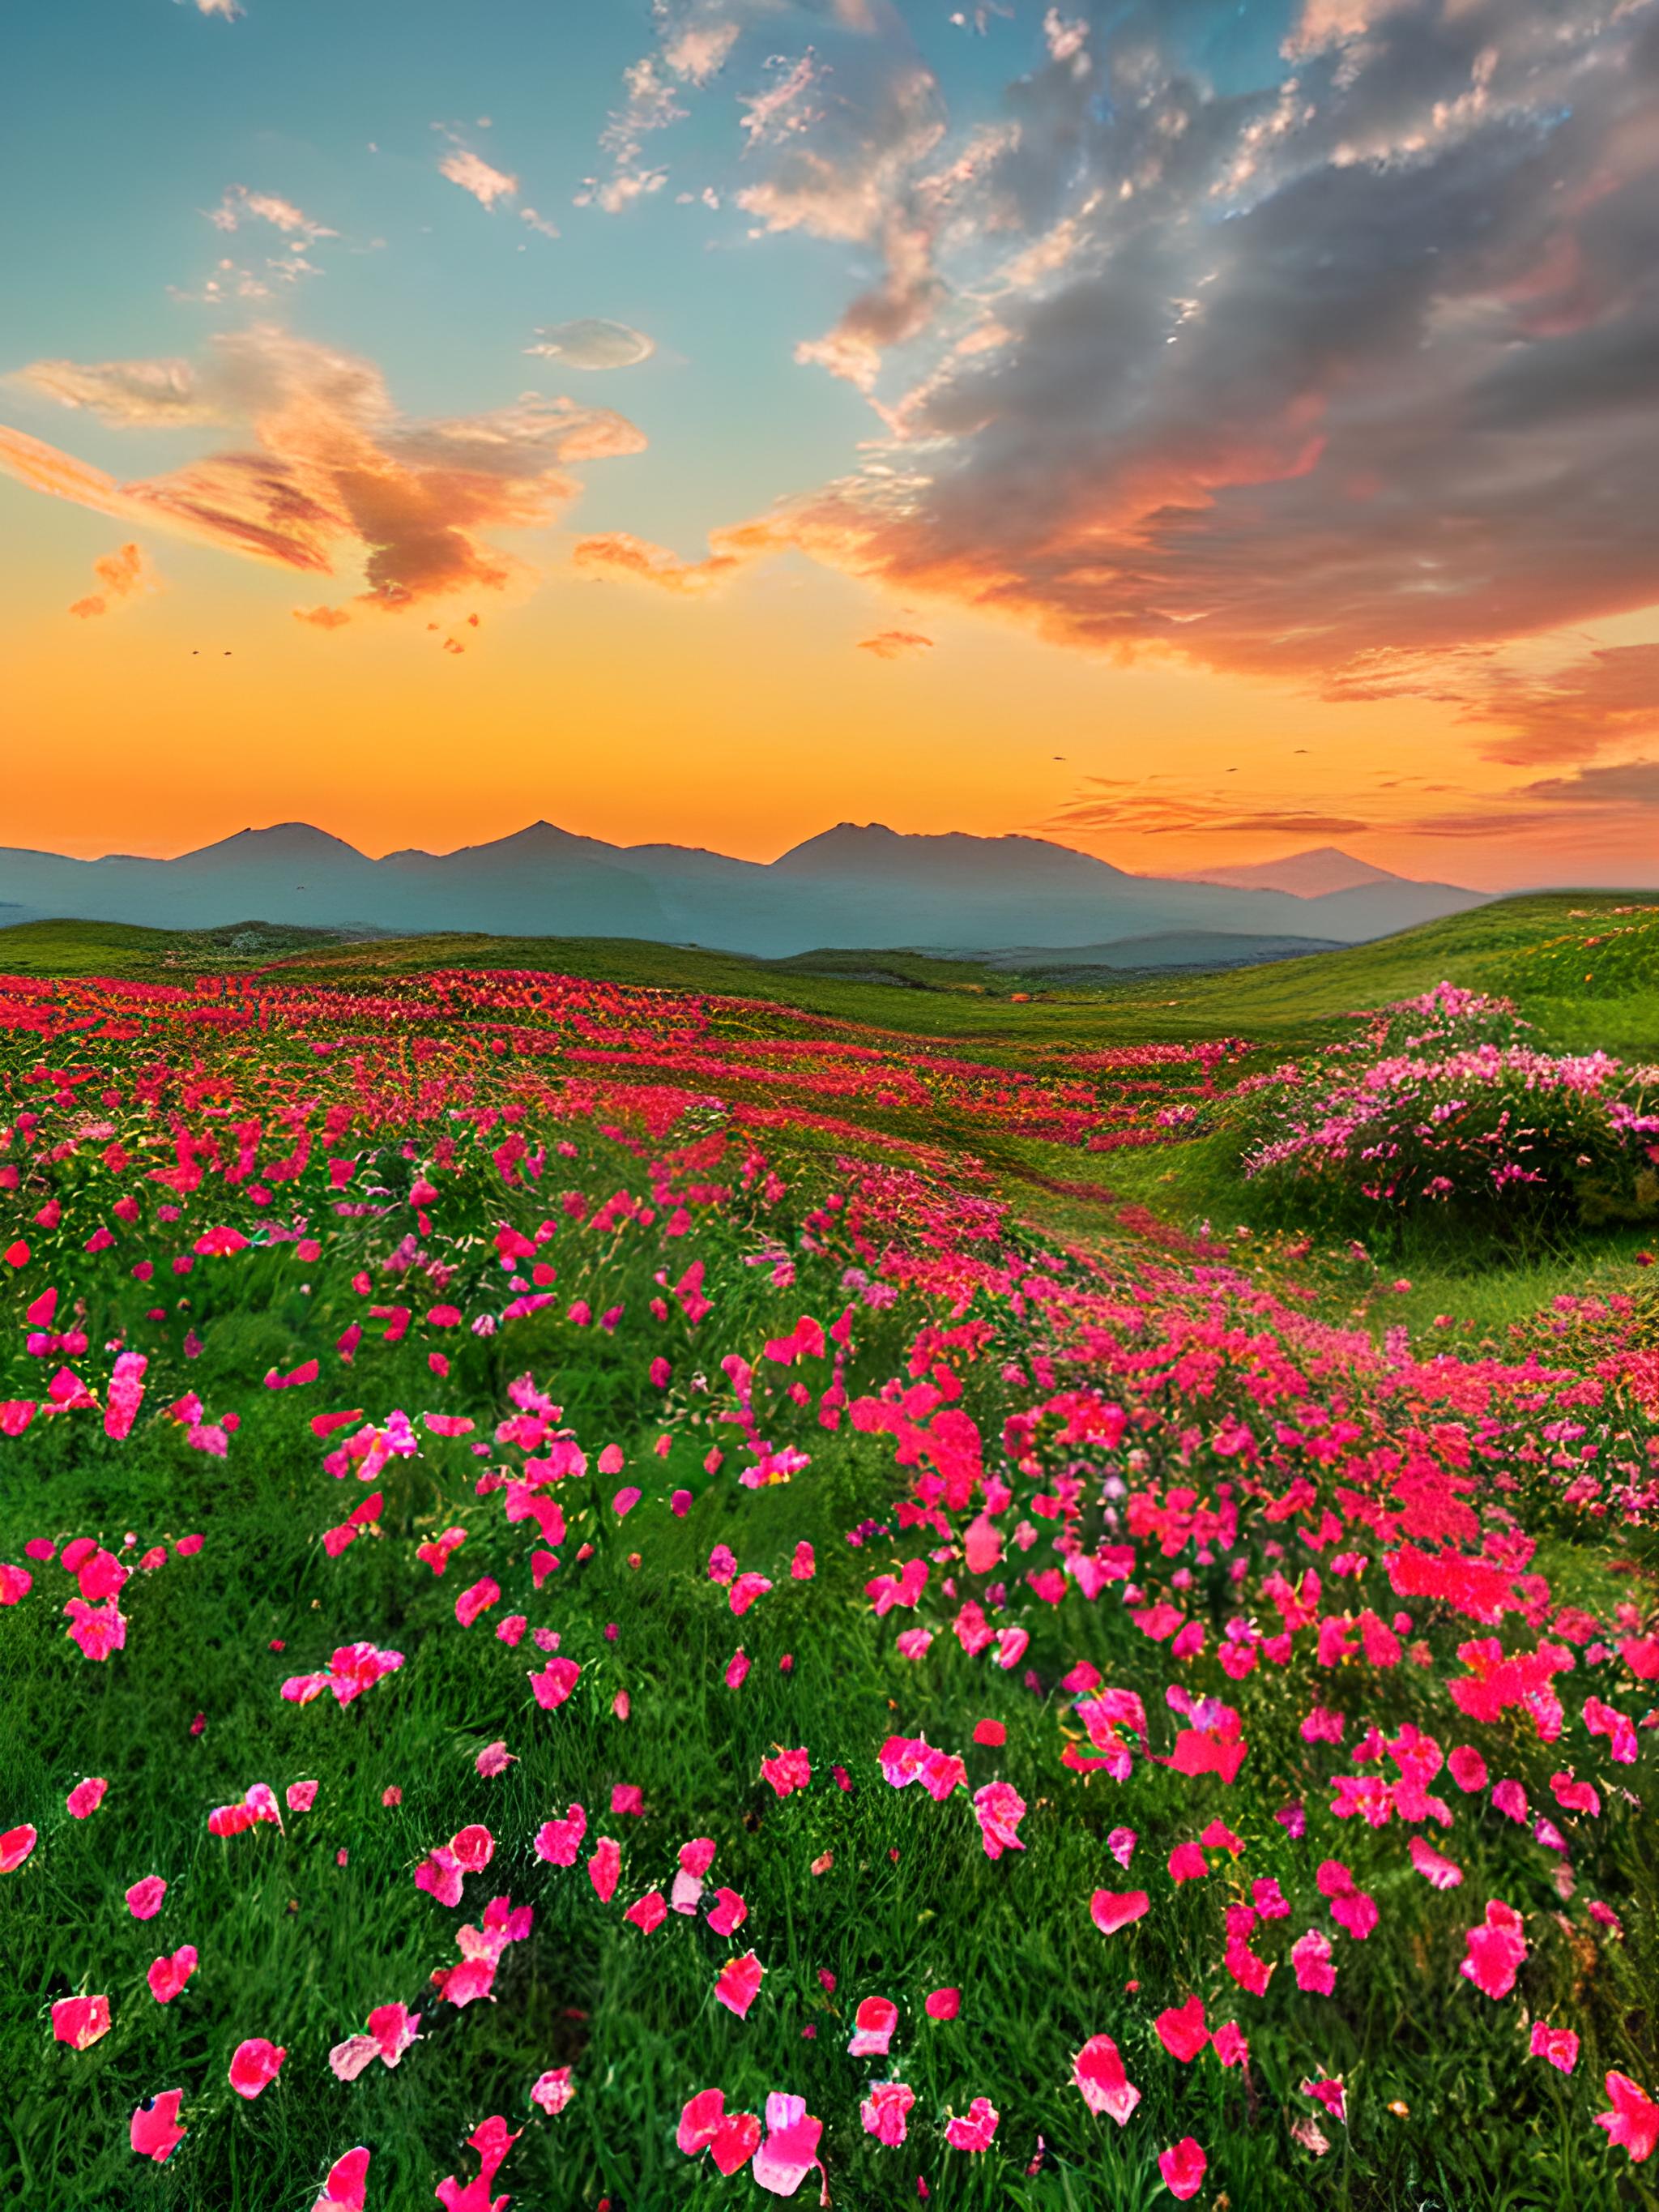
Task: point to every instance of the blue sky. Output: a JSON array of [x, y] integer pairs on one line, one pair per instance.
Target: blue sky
[[1209, 376]]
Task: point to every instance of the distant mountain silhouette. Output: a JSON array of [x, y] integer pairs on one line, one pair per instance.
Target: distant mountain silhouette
[[1307, 875], [852, 885]]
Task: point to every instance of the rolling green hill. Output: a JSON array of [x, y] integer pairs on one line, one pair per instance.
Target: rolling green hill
[[1582, 965]]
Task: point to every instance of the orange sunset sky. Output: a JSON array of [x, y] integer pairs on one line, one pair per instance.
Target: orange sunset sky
[[1194, 434]]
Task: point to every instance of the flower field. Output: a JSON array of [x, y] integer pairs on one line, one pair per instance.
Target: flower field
[[598, 1608]]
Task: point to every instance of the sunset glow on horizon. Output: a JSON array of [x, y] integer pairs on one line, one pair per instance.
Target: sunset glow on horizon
[[1192, 435]]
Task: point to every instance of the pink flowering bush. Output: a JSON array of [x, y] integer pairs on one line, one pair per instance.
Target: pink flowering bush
[[1445, 1114]]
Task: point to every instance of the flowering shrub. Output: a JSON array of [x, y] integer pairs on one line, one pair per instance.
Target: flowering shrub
[[1444, 1110]]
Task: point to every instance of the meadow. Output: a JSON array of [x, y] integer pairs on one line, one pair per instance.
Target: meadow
[[633, 1578]]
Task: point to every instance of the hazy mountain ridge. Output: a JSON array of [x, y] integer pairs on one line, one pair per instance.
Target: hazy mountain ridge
[[852, 885]]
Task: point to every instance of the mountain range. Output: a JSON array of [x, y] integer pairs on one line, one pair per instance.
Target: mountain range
[[853, 886]]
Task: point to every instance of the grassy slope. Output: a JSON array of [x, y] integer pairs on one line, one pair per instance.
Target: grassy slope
[[1520, 945]]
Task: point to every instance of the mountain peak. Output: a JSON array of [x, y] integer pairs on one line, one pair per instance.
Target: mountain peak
[[1312, 874], [279, 842], [853, 849]]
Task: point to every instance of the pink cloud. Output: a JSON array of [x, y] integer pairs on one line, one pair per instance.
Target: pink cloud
[[325, 471]]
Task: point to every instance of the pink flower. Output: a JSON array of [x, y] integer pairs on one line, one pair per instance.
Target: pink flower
[[883, 2112], [1331, 2094], [1000, 1809], [1633, 2120], [154, 2130], [474, 1847], [472, 1602], [1498, 1950], [974, 2130], [729, 1913], [1559, 2044], [1508, 1798], [554, 1684], [167, 1977], [1468, 1769], [300, 1797], [1188, 1863], [1097, 2071], [495, 1759], [1443, 1873], [553, 2090], [737, 1984], [649, 1912], [1311, 1955], [254, 2065], [1182, 2032], [559, 1841], [1183, 2166], [79, 2021], [1111, 1910], [872, 2028], [85, 1799], [789, 1771], [605, 1868], [440, 1873], [16, 1844], [347, 2185], [145, 1898], [790, 2151], [730, 2138], [942, 2004], [1229, 2044]]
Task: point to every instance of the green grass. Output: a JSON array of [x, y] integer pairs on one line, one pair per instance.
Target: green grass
[[1517, 946]]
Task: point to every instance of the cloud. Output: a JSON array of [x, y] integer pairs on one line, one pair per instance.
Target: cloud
[[324, 471], [895, 644], [227, 10], [1131, 809], [474, 174], [781, 106], [590, 342], [124, 574], [131, 394], [699, 49], [650, 106], [1609, 695], [240, 205], [621, 553], [322, 617], [1344, 377], [1619, 784]]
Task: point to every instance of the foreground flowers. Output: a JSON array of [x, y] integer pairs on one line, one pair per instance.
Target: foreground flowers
[[1129, 1639]]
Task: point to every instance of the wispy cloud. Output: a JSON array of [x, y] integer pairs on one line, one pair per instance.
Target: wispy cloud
[[895, 644], [125, 573], [474, 174], [324, 471], [619, 552], [592, 341], [240, 205]]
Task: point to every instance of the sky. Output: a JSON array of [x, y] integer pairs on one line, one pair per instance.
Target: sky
[[1190, 432]]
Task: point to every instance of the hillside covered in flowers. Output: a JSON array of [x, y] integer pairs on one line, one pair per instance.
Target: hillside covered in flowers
[[615, 1597]]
